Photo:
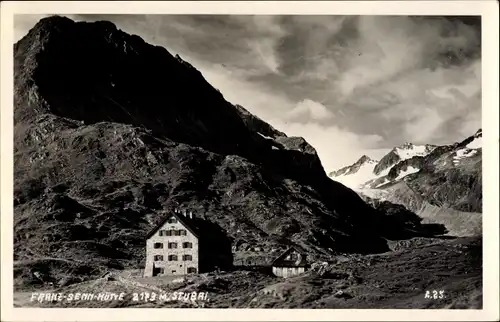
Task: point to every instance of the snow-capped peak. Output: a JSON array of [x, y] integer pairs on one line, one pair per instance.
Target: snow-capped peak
[[365, 159], [407, 145], [410, 150], [356, 174], [367, 173]]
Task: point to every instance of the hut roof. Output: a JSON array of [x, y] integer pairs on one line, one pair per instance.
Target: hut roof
[[281, 260], [189, 223]]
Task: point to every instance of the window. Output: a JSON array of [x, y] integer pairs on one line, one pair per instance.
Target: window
[[172, 232], [172, 245], [158, 271], [191, 270], [172, 257], [172, 220], [158, 245], [187, 257], [187, 245], [158, 258], [173, 271]]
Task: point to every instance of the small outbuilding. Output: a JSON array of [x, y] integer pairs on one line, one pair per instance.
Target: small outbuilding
[[292, 262]]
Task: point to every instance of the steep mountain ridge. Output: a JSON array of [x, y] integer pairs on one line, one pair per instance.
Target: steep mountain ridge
[[111, 132]]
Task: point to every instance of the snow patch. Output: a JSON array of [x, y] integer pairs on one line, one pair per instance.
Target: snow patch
[[475, 144], [462, 154], [357, 179], [385, 171], [382, 183], [373, 193], [265, 137], [412, 151], [406, 172]]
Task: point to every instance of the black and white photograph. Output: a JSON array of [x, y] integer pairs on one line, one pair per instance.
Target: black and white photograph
[[248, 161]]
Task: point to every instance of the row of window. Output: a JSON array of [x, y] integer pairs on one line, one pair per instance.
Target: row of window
[[190, 270], [173, 245], [172, 258], [173, 232]]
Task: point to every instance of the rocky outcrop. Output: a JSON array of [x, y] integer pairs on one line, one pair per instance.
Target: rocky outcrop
[[387, 161], [256, 124]]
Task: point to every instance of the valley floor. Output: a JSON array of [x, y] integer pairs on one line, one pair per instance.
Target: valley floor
[[398, 279]]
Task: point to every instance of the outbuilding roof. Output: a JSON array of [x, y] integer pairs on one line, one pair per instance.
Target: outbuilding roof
[[281, 260]]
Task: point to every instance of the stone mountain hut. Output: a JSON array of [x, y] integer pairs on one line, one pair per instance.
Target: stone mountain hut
[[184, 244], [291, 263]]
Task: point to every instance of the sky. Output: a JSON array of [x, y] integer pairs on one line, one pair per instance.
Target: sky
[[350, 85]]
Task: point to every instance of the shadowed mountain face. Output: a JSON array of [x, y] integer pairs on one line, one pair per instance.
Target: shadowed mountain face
[[110, 132], [96, 73]]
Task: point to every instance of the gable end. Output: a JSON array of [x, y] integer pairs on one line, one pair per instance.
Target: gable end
[[164, 220]]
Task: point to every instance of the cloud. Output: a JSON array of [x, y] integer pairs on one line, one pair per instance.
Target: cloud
[[336, 146], [264, 45], [350, 85], [309, 111]]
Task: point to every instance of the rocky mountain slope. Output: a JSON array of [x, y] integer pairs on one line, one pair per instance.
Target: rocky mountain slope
[[111, 132], [440, 183]]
